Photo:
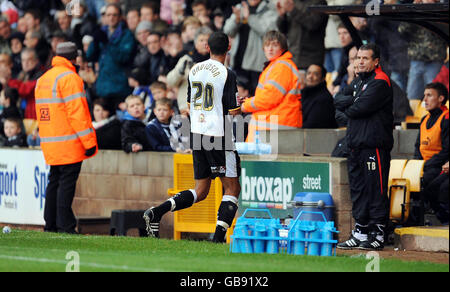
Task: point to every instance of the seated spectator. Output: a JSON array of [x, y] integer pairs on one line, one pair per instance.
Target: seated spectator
[[177, 78], [133, 19], [278, 95], [16, 43], [432, 140], [347, 44], [190, 26], [56, 38], [160, 91], [133, 134], [157, 64], [34, 40], [173, 48], [150, 12], [26, 81], [142, 32], [5, 31], [82, 23], [8, 99], [107, 127], [159, 129], [63, 21], [201, 10], [13, 132], [139, 81], [317, 102]]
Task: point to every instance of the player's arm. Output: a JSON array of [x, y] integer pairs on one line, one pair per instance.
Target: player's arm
[[230, 95]]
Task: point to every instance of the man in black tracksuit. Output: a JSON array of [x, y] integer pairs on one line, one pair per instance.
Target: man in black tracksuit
[[369, 109]]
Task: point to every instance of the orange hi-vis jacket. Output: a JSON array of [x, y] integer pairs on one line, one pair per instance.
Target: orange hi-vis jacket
[[277, 100], [430, 139], [65, 125]]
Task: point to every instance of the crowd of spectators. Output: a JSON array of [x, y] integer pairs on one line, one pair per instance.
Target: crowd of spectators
[[135, 57]]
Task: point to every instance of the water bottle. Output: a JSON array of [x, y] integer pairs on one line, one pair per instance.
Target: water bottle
[[256, 142], [260, 234], [273, 232]]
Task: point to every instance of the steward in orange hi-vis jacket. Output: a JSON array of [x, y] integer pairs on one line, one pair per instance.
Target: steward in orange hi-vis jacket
[[277, 97], [67, 135], [65, 125]]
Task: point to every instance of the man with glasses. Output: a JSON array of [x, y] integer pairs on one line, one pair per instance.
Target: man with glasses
[[113, 48]]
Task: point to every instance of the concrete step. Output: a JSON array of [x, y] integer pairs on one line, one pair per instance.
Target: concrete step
[[423, 238]]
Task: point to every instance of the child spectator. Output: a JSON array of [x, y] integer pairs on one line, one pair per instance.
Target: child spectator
[[13, 132], [159, 90], [159, 129], [134, 137], [107, 127], [8, 99]]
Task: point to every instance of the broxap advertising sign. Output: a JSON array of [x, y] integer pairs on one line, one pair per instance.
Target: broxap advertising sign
[[273, 185]]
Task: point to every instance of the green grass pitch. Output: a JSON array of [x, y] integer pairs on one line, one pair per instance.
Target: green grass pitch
[[24, 251]]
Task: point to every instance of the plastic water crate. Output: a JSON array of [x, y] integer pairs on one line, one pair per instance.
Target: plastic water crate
[[268, 235]]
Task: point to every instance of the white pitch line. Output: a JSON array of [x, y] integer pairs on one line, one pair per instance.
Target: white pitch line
[[92, 265]]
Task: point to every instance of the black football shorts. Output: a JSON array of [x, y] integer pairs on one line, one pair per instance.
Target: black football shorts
[[216, 163]]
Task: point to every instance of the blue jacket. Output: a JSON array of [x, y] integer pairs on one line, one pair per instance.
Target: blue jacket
[[157, 137], [114, 57]]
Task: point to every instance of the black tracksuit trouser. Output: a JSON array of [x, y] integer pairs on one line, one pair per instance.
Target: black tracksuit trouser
[[58, 214], [368, 174]]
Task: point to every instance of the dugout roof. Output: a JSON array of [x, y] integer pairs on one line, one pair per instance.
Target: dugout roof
[[431, 16]]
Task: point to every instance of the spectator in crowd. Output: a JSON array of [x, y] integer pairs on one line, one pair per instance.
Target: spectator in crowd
[[394, 49], [190, 26], [437, 194], [333, 46], [140, 82], [443, 76], [218, 20], [370, 140], [177, 78], [142, 32], [172, 11], [200, 9], [63, 21], [82, 24], [34, 22], [247, 25], [363, 29], [8, 100], [113, 47], [157, 63], [173, 48], [426, 53], [5, 33], [347, 44], [432, 140], [133, 19], [159, 91], [278, 92], [305, 31], [107, 126], [13, 132], [133, 134], [150, 12], [34, 40], [26, 81], [22, 25], [345, 94], [16, 43], [317, 102], [160, 128]]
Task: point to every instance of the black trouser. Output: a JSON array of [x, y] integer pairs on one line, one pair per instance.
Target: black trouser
[[368, 174], [436, 193], [58, 214]]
